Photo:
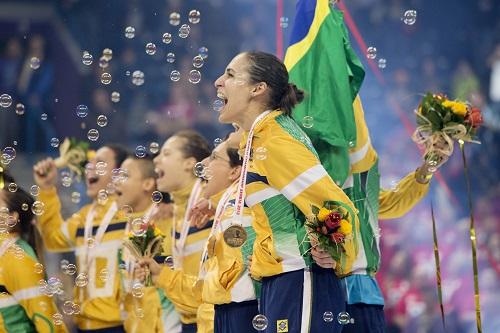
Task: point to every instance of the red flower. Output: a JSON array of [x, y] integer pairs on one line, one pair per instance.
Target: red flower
[[332, 221], [475, 119], [337, 237]]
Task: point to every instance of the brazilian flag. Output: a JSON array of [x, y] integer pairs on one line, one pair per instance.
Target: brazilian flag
[[321, 61]]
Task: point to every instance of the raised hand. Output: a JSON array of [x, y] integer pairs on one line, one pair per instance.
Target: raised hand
[[45, 173]]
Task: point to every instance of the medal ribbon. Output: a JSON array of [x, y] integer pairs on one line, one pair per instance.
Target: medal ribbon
[[219, 212], [178, 246], [240, 193]]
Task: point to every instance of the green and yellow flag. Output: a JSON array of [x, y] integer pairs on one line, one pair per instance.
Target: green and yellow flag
[[320, 61]]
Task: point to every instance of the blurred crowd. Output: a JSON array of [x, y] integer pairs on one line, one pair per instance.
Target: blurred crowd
[[451, 48]]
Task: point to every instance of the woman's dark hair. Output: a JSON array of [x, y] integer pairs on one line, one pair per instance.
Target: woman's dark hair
[[234, 158], [120, 152], [15, 202], [195, 145], [265, 67]]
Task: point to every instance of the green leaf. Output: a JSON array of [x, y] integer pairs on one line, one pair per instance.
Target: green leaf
[[314, 209]]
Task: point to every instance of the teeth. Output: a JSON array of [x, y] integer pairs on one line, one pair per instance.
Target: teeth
[[221, 96]]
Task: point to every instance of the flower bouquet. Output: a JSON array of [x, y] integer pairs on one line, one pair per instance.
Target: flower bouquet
[[441, 121], [73, 154], [144, 241], [330, 226]]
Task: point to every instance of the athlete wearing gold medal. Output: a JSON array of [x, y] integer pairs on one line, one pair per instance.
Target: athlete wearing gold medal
[[280, 188], [223, 277]]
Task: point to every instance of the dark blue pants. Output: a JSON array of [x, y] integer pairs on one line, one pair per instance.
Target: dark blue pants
[[235, 317], [282, 301], [328, 297], [116, 329], [368, 318], [188, 328]]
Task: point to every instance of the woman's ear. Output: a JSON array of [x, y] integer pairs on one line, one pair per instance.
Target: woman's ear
[[259, 89], [149, 184], [235, 173], [188, 164]]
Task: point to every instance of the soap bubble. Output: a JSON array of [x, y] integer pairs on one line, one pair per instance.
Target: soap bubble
[[139, 227], [198, 61], [129, 32], [203, 52], [175, 75], [38, 268], [138, 78], [150, 48], [35, 190], [166, 38], [371, 52], [75, 197], [308, 121], [102, 120], [382, 63], [106, 78], [57, 318], [141, 151], [81, 280], [343, 318], [138, 290], [194, 76], [115, 97], [154, 147], [194, 16], [93, 134], [20, 109], [259, 322], [156, 197], [170, 57], [410, 17], [184, 31], [87, 58], [284, 22], [12, 187], [5, 100], [175, 19], [82, 111], [217, 105], [34, 63], [54, 142]]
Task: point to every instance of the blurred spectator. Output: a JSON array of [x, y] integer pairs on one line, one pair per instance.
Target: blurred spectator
[[465, 82], [10, 65], [34, 87]]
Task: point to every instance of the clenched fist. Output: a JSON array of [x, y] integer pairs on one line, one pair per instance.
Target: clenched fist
[[45, 173]]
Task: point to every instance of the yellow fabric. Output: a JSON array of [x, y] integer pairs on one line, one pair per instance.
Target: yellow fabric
[[226, 264], [165, 225], [186, 307], [363, 156], [18, 275], [394, 204], [287, 161], [143, 314], [101, 300]]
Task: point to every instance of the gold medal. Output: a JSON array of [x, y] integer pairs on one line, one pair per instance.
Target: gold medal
[[235, 235]]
